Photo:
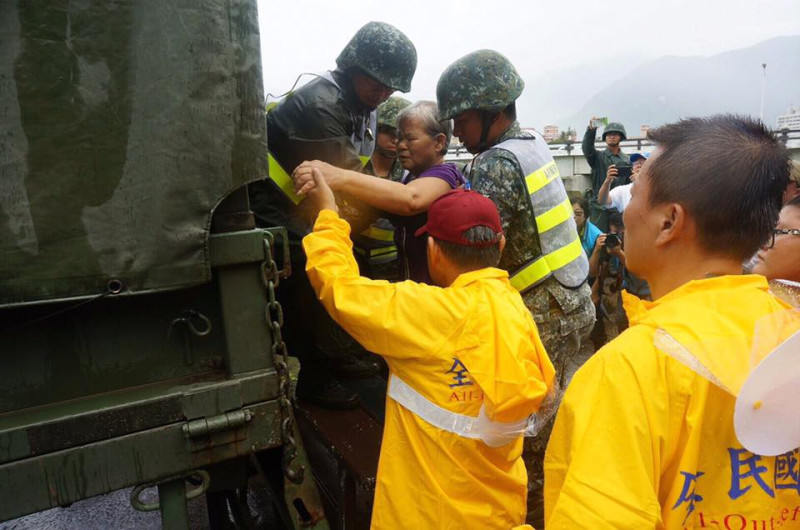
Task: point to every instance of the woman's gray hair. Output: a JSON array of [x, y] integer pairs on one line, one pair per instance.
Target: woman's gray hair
[[427, 112]]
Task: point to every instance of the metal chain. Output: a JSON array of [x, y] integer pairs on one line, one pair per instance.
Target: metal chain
[[274, 317]]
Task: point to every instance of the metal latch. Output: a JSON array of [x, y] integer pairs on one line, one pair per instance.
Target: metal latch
[[221, 422]]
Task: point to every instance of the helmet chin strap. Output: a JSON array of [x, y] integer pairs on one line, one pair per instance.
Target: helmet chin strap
[[487, 118]]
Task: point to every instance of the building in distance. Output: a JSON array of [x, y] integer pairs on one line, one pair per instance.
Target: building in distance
[[790, 120], [550, 132]]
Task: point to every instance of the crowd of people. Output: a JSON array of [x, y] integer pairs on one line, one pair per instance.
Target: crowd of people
[[502, 278]]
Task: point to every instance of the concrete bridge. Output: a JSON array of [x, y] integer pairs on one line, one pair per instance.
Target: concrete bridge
[[576, 171]]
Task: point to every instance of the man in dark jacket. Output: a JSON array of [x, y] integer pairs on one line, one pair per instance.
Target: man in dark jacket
[[333, 119], [613, 134]]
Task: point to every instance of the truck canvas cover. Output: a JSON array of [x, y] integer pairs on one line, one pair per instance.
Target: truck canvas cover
[[122, 125]]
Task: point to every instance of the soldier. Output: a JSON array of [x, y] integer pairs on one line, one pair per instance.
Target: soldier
[[332, 118], [613, 134], [375, 248], [384, 161], [543, 255]]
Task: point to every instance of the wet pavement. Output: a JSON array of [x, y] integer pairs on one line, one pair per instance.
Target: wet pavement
[[106, 511], [114, 511], [103, 512]]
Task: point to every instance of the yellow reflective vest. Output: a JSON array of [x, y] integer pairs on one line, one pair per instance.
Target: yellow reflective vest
[[461, 358], [561, 255], [644, 437]]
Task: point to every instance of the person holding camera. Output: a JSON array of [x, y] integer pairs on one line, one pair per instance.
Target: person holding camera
[[607, 266], [645, 435], [619, 197], [613, 134]]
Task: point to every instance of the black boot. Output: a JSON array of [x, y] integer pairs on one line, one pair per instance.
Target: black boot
[[355, 368]]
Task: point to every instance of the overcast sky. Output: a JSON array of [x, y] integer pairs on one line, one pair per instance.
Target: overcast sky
[[307, 35]]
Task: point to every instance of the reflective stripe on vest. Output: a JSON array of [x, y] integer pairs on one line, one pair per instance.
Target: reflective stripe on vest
[[378, 233], [378, 256], [561, 251], [492, 433], [281, 178], [539, 269], [382, 250]]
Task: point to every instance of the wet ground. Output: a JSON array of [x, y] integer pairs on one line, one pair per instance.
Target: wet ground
[[114, 511], [103, 512]]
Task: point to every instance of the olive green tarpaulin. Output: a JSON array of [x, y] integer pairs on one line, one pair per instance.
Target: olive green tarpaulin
[[122, 124]]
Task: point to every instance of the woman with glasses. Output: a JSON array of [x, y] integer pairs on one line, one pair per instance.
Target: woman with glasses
[[793, 186], [587, 231], [779, 259]]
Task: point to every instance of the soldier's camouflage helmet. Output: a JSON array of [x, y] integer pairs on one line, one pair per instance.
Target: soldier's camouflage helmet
[[384, 52], [389, 109], [483, 80], [615, 127]]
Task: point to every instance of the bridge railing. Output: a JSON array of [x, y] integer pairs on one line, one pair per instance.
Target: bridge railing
[[575, 170]]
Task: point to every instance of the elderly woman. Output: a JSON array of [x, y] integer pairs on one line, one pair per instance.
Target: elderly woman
[[421, 145]]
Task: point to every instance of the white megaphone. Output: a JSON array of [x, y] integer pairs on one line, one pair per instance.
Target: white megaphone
[[767, 412]]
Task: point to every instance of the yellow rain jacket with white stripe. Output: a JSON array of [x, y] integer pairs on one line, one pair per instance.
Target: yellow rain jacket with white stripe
[[644, 437], [461, 348]]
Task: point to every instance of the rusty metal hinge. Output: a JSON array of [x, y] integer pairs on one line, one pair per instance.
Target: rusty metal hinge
[[218, 423]]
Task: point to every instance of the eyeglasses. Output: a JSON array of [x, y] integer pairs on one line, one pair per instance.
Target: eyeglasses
[[783, 232]]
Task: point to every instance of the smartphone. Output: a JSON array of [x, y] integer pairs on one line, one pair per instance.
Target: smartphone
[[624, 172], [599, 122], [612, 241]]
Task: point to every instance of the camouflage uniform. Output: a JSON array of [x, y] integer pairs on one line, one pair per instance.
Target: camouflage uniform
[[486, 81], [384, 268], [388, 112], [564, 317]]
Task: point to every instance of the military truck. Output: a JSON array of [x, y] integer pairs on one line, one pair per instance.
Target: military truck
[[140, 337]]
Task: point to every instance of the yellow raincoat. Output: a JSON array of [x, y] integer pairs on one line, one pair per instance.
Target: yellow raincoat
[[470, 345], [645, 439]]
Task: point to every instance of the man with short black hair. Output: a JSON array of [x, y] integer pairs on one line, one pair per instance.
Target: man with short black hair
[[644, 436], [467, 367]]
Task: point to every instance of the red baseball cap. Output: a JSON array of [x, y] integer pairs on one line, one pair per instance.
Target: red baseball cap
[[457, 211]]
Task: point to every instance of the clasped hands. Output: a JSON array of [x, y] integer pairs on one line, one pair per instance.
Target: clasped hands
[[313, 179]]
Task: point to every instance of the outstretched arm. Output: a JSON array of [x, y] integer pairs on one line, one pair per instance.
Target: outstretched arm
[[603, 196], [392, 197], [378, 314], [588, 144]]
